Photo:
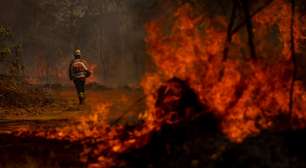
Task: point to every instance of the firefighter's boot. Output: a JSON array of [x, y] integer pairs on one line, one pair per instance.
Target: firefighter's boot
[[81, 97]]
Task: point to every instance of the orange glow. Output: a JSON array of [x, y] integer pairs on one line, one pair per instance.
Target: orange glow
[[92, 78], [246, 95]]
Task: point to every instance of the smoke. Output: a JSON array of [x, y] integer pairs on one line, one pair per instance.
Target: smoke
[[110, 34]]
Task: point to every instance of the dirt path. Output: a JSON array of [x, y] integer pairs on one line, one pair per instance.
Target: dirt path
[[65, 109]]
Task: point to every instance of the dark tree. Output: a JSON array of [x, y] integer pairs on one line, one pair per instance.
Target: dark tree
[[229, 34], [249, 26], [258, 10], [293, 57]]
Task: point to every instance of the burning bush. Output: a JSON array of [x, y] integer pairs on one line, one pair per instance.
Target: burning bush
[[176, 99]]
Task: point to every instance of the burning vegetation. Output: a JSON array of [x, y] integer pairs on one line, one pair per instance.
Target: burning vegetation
[[232, 76], [245, 92]]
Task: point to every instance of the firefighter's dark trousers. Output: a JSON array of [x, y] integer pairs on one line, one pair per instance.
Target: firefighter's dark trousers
[[80, 87]]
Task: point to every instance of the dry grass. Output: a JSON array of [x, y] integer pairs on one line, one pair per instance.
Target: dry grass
[[17, 94]]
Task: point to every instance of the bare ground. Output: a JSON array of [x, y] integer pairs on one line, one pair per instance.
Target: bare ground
[[65, 108]]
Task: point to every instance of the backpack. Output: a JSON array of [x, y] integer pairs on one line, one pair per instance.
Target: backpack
[[79, 69]]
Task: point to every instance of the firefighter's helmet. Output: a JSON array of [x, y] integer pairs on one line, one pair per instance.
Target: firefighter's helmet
[[77, 52]]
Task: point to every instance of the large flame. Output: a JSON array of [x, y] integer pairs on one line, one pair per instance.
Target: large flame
[[247, 95]]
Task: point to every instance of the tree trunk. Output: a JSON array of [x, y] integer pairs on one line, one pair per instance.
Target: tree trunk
[[229, 30], [294, 71], [240, 25], [249, 27], [99, 50]]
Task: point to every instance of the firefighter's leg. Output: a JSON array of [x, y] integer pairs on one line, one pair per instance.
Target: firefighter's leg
[[77, 84], [82, 91]]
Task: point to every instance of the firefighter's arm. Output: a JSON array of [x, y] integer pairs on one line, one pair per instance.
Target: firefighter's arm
[[85, 64], [88, 73]]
